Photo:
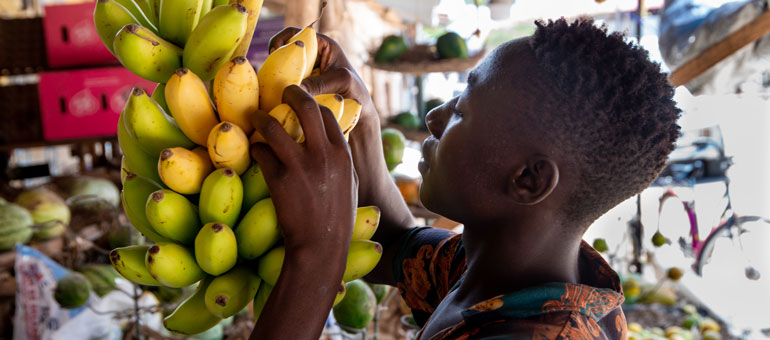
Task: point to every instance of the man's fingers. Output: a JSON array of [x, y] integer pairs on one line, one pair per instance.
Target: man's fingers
[[337, 80], [331, 126], [308, 113], [280, 38], [284, 147], [267, 160]]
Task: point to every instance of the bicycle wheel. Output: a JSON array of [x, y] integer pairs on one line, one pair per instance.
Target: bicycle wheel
[[742, 240]]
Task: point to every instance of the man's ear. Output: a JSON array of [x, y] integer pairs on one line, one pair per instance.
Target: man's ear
[[532, 182]]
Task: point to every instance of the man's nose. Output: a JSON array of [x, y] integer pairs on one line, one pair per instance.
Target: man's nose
[[435, 120]]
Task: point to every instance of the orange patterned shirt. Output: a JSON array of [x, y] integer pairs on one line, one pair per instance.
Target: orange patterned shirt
[[431, 262]]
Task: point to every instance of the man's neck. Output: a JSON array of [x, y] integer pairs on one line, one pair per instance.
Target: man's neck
[[508, 257]]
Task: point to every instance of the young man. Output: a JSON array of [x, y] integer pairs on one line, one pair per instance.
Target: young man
[[551, 132]]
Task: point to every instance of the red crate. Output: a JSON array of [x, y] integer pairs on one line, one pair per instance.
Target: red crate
[[71, 38]]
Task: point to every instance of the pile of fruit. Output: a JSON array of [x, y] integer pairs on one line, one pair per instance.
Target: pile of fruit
[[694, 326], [189, 183], [449, 45]]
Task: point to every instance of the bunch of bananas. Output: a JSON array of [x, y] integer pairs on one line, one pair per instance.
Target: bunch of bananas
[[189, 183]]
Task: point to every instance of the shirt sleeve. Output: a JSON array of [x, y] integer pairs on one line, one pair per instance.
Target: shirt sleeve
[[428, 264]]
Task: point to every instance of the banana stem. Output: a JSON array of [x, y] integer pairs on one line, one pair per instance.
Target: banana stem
[[323, 6]]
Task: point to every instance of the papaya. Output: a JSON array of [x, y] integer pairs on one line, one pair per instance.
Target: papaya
[[15, 225]]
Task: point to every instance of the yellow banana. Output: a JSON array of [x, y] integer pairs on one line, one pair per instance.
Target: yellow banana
[[134, 196], [284, 67], [145, 54], [261, 299], [258, 230], [215, 248], [109, 18], [184, 170], [269, 268], [254, 187], [177, 18], [333, 102], [147, 124], [308, 36], [221, 197], [230, 292], [228, 147], [159, 96], [129, 262], [350, 115], [192, 316], [340, 293], [173, 265], [138, 161], [173, 216], [367, 221], [236, 93], [190, 105], [213, 42], [253, 7], [363, 256], [288, 119]]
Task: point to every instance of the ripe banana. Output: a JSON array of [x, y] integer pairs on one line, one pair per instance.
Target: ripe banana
[[215, 248], [350, 115], [363, 256], [145, 54], [288, 119], [129, 262], [173, 265], [109, 18], [230, 292], [136, 190], [308, 36], [258, 230], [192, 316], [213, 42], [254, 187], [253, 7], [236, 93], [284, 67], [333, 102], [173, 216], [159, 96], [340, 293], [269, 268], [147, 124], [221, 197], [190, 105], [184, 170], [261, 299], [143, 17], [228, 147], [367, 221], [177, 18], [138, 161]]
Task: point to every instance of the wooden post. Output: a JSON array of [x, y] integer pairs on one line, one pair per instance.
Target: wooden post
[[300, 13]]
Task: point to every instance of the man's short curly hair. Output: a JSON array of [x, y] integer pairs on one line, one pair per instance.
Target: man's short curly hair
[[611, 108]]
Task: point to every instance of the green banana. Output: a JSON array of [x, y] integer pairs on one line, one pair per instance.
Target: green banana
[[270, 264], [136, 190], [145, 54], [230, 292], [221, 197], [155, 4], [213, 42], [254, 186], [220, 3], [257, 230], [363, 256], [173, 265], [173, 216], [192, 316], [205, 8], [261, 299], [150, 127], [367, 220], [215, 248], [177, 18], [159, 96], [340, 293], [137, 161], [144, 18], [109, 18], [129, 262]]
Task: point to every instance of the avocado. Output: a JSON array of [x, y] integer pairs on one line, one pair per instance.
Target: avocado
[[407, 120], [451, 45], [392, 47], [357, 308]]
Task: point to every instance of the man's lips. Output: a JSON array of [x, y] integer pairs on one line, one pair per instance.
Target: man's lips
[[428, 147]]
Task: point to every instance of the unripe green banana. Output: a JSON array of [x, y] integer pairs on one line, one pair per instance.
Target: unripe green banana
[[159, 96], [220, 3], [177, 18], [145, 54], [363, 256], [216, 249], [367, 221], [173, 265], [340, 293], [184, 170], [270, 264], [205, 8], [261, 299], [228, 147], [254, 186], [230, 292], [258, 230], [136, 190], [221, 197], [142, 10], [173, 216], [213, 42], [124, 169], [149, 126], [109, 18], [129, 262], [192, 316], [137, 161]]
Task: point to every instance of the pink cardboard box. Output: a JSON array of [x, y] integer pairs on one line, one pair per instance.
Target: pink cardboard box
[[71, 38], [85, 103]]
